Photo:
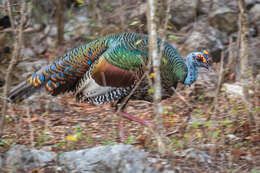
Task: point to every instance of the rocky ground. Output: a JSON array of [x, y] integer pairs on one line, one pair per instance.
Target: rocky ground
[[225, 143], [41, 133]]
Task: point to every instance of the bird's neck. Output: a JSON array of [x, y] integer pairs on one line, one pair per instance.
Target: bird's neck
[[192, 71]]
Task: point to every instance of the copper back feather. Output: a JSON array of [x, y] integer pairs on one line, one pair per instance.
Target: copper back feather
[[106, 74]]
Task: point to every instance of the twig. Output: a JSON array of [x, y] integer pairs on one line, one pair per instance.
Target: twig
[[231, 58], [27, 30], [220, 81], [173, 132], [15, 55], [123, 103], [190, 108], [8, 5], [181, 97], [30, 123]]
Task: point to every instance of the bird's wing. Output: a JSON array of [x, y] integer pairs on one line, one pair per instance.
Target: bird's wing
[[119, 67]]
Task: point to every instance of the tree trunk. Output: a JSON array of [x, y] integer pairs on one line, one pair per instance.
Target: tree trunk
[[244, 39], [156, 61], [15, 55], [60, 21]]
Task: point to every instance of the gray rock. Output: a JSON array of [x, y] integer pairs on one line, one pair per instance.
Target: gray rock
[[139, 11], [28, 52], [254, 14], [183, 12], [205, 37], [234, 90], [43, 101], [77, 27], [52, 31], [254, 53], [40, 48], [225, 19], [117, 158], [253, 58], [29, 67], [194, 153], [204, 89], [21, 159]]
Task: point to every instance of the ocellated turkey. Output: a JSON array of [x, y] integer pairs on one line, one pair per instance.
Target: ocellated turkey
[[107, 70]]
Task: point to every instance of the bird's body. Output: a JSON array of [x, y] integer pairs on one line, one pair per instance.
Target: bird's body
[[108, 69]]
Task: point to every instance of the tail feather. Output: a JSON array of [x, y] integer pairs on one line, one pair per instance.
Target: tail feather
[[21, 92]]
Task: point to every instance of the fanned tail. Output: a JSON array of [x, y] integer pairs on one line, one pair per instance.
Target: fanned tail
[[21, 92], [63, 74]]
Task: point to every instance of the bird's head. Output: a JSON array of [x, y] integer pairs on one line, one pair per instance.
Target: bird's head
[[200, 59]]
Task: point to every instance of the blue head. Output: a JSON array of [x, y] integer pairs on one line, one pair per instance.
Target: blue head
[[194, 61]]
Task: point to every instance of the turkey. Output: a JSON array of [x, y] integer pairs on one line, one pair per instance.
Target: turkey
[[107, 70]]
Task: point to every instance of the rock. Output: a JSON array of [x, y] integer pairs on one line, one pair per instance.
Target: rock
[[208, 6], [205, 86], [40, 48], [28, 53], [234, 90], [21, 159], [76, 28], [205, 37], [183, 12], [254, 14], [253, 58], [117, 158], [43, 101], [29, 67], [233, 137], [52, 31], [139, 11], [22, 70], [224, 19], [194, 153]]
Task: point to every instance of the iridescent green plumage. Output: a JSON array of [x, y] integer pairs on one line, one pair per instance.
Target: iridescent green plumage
[[105, 70]]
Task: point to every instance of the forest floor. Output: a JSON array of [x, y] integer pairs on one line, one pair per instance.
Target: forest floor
[[228, 139]]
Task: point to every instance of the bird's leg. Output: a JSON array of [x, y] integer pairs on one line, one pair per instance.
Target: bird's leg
[[121, 130], [119, 110], [134, 118], [120, 105]]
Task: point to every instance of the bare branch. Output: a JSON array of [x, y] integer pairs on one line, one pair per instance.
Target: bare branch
[[244, 34], [27, 30], [9, 10], [16, 54], [220, 81]]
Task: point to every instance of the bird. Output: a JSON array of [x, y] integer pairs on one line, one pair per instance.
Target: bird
[[109, 68]]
